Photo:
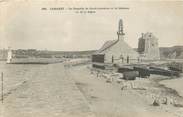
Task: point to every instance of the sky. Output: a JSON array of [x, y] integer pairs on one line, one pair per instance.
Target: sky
[[23, 25]]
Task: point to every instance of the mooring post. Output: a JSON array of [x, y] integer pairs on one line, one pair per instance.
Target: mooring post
[[112, 59], [2, 97], [127, 59], [122, 59]]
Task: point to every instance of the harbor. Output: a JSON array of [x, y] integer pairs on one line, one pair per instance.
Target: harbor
[[91, 58], [115, 80]]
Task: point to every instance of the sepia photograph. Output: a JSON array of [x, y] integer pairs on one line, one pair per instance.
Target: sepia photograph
[[91, 58]]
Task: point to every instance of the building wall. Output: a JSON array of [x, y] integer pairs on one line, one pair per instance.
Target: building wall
[[148, 46], [141, 45], [119, 50]]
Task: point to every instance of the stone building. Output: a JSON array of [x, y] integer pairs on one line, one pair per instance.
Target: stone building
[[148, 47], [116, 51]]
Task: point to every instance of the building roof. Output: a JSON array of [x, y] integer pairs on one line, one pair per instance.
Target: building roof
[[107, 45], [123, 47]]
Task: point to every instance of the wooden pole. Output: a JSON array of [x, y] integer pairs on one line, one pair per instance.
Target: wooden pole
[[2, 95], [112, 59]]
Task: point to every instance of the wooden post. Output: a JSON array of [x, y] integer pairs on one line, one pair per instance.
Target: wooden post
[[112, 59], [127, 59], [2, 95]]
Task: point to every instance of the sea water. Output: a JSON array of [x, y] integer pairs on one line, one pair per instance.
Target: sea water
[[15, 74]]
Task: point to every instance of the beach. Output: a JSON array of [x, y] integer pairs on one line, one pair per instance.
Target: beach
[[47, 92], [107, 99], [56, 90], [176, 84]]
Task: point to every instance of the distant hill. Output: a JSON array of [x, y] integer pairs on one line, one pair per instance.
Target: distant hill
[[175, 52], [24, 53], [69, 53]]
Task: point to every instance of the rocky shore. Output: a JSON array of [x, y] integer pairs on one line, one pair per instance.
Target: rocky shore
[[107, 98]]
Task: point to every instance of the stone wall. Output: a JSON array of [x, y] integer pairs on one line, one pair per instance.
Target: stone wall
[[148, 46]]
